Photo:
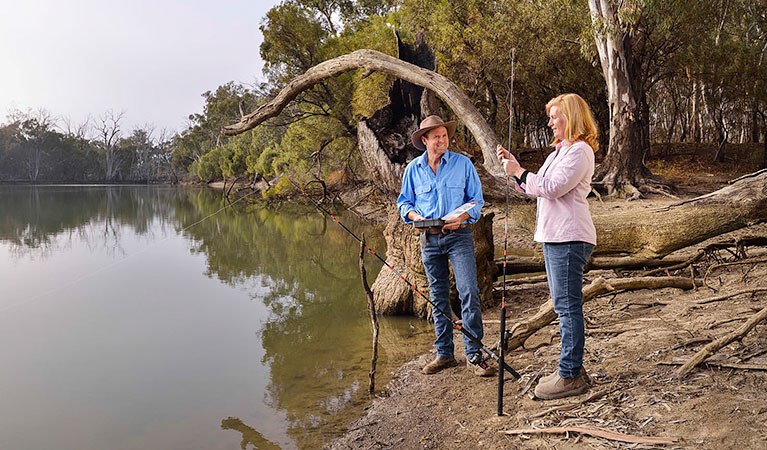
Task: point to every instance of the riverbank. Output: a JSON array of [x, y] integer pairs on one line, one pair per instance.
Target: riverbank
[[635, 342]]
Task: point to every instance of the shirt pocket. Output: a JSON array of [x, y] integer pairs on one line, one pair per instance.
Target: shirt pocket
[[424, 198], [455, 192]]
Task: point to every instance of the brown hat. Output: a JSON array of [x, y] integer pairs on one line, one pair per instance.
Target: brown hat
[[429, 124]]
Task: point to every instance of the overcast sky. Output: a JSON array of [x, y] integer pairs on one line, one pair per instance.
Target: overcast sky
[[151, 58]]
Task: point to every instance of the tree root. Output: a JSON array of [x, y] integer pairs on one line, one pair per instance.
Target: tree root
[[713, 347], [545, 315], [731, 294]]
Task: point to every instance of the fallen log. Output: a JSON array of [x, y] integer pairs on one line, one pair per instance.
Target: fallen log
[[545, 315], [714, 347], [526, 264]]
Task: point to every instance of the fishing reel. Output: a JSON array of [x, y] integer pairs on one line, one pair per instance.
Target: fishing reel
[[478, 360], [506, 337]]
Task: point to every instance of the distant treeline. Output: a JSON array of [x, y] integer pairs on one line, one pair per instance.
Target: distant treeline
[[696, 70]]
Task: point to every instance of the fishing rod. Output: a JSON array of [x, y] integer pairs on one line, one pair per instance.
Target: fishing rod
[[434, 306], [502, 343]]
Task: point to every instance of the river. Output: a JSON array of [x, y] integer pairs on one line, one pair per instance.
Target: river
[[137, 317]]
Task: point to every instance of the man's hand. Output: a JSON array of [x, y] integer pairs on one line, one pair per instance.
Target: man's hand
[[412, 215], [454, 224]]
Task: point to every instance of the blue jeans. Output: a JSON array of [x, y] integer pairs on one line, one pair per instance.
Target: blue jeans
[[458, 248], [564, 269]]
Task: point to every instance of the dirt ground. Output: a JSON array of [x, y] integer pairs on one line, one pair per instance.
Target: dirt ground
[[635, 341]]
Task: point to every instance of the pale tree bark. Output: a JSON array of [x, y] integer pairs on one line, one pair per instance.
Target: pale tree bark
[[373, 60], [623, 171]]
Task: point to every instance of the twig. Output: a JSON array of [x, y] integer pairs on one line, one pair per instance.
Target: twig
[[713, 347], [731, 294], [373, 316], [744, 261], [598, 432], [722, 364]]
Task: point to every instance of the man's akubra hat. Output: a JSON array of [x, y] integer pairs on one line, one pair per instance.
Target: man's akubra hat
[[429, 124]]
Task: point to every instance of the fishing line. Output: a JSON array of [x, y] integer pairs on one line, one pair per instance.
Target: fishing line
[[412, 286], [502, 342], [119, 261]]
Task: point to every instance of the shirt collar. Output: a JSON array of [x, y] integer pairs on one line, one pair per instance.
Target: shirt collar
[[423, 160]]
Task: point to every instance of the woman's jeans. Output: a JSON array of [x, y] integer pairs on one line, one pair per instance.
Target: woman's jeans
[[458, 248], [564, 269]]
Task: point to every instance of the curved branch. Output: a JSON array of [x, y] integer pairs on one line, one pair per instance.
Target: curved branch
[[372, 60]]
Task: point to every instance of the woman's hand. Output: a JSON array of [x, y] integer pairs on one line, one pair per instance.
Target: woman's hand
[[510, 164]]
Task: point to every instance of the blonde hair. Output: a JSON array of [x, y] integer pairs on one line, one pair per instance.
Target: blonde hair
[[580, 122]]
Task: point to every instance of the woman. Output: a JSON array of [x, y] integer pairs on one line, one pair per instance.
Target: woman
[[563, 224]]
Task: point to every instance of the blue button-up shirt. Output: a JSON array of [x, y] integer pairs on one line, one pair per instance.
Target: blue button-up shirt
[[432, 196]]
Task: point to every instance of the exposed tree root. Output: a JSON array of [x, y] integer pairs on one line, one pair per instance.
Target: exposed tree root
[[713, 347], [545, 315], [731, 294]]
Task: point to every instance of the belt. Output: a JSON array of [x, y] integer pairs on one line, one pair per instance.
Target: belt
[[438, 230]]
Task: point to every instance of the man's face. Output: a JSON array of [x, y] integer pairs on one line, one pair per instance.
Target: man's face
[[436, 141]]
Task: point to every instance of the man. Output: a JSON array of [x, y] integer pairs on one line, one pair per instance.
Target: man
[[433, 185]]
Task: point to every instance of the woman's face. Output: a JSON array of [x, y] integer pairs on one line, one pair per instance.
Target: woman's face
[[557, 122]]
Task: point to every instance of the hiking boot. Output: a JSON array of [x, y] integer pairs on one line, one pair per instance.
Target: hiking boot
[[474, 364], [559, 387], [439, 363], [551, 376]]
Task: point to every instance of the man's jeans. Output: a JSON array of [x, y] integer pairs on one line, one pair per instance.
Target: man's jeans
[[458, 248], [564, 269]]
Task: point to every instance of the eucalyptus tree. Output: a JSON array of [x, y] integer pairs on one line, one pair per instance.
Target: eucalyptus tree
[[637, 41]]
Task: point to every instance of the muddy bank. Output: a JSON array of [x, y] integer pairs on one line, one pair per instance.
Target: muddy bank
[[635, 341]]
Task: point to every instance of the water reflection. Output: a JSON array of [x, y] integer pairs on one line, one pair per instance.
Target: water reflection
[[298, 355]]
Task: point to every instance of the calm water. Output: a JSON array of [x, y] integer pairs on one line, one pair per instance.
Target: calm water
[[123, 325]]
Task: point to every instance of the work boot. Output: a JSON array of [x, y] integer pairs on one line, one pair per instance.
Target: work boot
[[439, 363], [487, 371], [559, 387], [551, 376]]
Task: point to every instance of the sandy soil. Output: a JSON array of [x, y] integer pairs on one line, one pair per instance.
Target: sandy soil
[[634, 343]]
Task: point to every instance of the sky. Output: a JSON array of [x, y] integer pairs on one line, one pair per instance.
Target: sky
[[151, 59]]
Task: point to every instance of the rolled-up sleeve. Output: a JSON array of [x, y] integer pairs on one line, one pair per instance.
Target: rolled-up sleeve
[[567, 173], [406, 199]]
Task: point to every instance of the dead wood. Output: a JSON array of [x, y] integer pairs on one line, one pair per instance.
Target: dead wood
[[721, 364], [373, 316], [522, 264], [713, 347], [545, 315], [594, 431], [731, 294], [376, 61], [733, 263], [658, 232]]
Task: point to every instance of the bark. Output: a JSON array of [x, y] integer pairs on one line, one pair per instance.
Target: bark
[[623, 169], [656, 233], [372, 60], [384, 138], [393, 297]]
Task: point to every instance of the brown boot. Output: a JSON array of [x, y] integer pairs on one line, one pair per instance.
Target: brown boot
[[551, 376], [559, 387], [439, 363]]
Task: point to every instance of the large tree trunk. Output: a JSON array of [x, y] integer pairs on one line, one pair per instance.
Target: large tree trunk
[[623, 169], [384, 138], [393, 296]]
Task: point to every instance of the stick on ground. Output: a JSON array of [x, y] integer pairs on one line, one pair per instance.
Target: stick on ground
[[713, 347], [598, 432]]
